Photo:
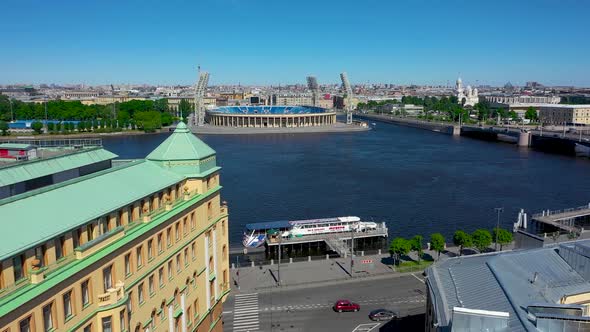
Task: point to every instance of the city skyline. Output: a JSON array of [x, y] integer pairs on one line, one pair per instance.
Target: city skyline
[[267, 43]]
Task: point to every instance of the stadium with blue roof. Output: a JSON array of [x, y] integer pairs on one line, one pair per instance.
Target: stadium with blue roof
[[270, 116]]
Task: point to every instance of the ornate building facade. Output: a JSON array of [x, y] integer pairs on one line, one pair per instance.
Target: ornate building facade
[[141, 246]]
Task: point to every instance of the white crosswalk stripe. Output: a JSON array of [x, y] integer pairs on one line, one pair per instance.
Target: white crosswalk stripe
[[246, 313]]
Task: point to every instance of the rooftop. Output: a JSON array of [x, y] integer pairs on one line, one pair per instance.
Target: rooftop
[[510, 281], [37, 216], [35, 168]]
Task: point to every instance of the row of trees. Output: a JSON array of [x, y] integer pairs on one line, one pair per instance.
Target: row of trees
[[147, 115], [480, 239]]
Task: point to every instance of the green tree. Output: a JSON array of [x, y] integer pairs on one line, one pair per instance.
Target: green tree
[[184, 107], [4, 128], [416, 245], [437, 243], [37, 127], [531, 114], [513, 116], [481, 239], [81, 126], [398, 247], [502, 237], [50, 127], [462, 240]]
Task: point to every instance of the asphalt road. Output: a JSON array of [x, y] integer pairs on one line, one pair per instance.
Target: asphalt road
[[310, 309]]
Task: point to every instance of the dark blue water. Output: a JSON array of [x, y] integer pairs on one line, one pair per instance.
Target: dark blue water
[[417, 181]]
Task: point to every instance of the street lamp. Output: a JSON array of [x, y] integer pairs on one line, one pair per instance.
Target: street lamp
[[498, 210], [352, 230]]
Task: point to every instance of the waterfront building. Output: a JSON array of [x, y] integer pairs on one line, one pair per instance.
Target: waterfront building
[[140, 246], [509, 99], [466, 96], [302, 99], [543, 289], [270, 116], [565, 114]]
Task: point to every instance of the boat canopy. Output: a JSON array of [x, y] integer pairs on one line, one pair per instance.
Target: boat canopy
[[325, 220], [260, 226]]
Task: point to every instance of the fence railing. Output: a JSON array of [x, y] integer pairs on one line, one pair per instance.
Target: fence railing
[[53, 143], [554, 212]]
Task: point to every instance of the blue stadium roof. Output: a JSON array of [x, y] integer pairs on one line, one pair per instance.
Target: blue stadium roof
[[268, 110]]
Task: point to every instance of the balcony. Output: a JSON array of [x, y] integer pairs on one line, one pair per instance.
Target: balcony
[[112, 296], [223, 209]]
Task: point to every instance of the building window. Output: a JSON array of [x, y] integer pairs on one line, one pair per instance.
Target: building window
[[184, 227], [151, 284], [127, 264], [48, 317], [177, 231], [139, 257], [178, 266], [107, 278], [159, 242], [41, 255], [193, 220], [122, 320], [18, 264], [130, 303], [223, 227], [193, 255], [68, 305], [85, 292], [107, 324], [60, 245], [150, 249], [161, 277], [168, 236], [88, 328], [25, 325], [90, 231], [170, 270], [209, 210], [77, 238], [224, 252], [186, 256], [140, 298]]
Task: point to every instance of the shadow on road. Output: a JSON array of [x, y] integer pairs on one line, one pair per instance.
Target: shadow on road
[[407, 323]]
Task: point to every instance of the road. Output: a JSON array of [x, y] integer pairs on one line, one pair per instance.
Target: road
[[310, 309]]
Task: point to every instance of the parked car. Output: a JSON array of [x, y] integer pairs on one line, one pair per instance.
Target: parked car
[[346, 305], [382, 314]]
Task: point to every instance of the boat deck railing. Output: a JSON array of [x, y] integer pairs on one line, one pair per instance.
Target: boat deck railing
[[381, 230]]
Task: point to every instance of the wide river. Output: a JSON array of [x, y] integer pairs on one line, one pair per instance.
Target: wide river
[[418, 182]]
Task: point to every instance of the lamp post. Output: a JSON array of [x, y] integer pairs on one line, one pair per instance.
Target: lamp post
[[352, 230], [11, 112], [498, 210], [279, 265]]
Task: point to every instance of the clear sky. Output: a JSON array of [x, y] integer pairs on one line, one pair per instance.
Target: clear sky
[[282, 41]]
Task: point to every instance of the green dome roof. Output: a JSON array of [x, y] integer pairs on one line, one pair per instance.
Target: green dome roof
[[183, 152], [181, 145]]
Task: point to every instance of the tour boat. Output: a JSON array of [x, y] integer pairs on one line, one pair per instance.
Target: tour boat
[[255, 234]]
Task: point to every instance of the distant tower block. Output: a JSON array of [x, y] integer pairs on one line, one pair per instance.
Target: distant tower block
[[312, 84], [348, 96], [200, 89]]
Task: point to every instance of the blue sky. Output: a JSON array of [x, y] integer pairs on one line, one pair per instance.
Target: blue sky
[[270, 42]]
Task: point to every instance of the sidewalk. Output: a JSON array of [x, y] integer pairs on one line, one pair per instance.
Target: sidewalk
[[263, 277]]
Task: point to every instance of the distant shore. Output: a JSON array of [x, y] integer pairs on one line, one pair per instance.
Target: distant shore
[[31, 136]]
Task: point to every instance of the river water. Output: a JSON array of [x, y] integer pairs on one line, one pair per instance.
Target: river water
[[418, 182]]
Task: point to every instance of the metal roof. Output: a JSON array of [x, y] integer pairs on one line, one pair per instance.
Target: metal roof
[[268, 225], [35, 168], [181, 145], [16, 146], [32, 218], [505, 282]]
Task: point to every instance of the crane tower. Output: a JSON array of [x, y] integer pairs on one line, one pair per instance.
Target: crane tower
[[348, 96], [312, 84], [200, 89]]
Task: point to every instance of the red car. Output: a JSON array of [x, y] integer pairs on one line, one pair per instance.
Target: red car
[[345, 305]]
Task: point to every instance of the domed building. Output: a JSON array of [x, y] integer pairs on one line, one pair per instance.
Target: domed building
[[466, 96]]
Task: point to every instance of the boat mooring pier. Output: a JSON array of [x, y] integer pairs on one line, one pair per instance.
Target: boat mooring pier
[[574, 220], [337, 242]]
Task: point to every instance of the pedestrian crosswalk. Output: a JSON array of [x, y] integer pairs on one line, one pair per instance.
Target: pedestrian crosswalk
[[246, 313]]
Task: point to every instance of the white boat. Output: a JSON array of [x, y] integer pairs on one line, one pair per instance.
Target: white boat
[[255, 234]]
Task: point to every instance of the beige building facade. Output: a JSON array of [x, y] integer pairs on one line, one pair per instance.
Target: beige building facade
[[564, 114], [138, 247]]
